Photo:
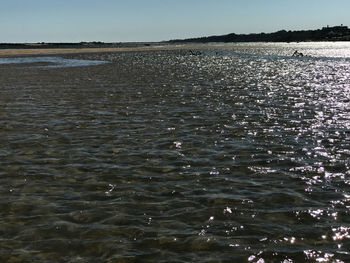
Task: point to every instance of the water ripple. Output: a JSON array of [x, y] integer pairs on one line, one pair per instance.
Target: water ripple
[[238, 154]]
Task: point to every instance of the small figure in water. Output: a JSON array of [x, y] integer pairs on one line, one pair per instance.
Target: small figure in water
[[195, 53], [297, 54]]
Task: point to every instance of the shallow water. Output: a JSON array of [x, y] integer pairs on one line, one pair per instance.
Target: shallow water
[[239, 154], [50, 62]]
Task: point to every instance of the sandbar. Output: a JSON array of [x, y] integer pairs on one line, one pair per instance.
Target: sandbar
[[47, 51]]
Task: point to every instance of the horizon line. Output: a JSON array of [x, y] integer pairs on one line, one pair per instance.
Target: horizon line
[[155, 41]]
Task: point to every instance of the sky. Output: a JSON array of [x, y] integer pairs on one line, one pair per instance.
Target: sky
[[157, 20]]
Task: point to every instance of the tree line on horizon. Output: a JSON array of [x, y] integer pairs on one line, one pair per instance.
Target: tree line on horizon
[[336, 33]]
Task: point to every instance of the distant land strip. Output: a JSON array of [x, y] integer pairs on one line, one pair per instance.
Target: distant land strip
[[335, 33], [80, 45], [48, 51]]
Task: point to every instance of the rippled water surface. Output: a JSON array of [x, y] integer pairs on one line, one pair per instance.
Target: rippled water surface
[[238, 153]]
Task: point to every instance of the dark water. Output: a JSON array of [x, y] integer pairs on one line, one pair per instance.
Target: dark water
[[239, 154]]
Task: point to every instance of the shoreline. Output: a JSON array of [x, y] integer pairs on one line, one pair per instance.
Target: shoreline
[[13, 52], [54, 51]]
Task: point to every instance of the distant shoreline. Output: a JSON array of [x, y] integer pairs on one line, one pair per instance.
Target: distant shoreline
[[53, 51], [9, 52], [335, 33], [326, 34]]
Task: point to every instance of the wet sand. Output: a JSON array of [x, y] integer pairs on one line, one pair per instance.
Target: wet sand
[[47, 51]]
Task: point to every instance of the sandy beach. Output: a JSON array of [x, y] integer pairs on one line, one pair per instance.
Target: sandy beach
[[47, 51]]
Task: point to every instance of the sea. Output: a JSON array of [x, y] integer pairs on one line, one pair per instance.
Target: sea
[[200, 153]]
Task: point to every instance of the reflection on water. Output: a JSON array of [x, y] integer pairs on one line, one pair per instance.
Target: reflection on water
[[218, 157], [52, 62]]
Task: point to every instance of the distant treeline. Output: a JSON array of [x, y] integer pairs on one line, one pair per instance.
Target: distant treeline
[[336, 33]]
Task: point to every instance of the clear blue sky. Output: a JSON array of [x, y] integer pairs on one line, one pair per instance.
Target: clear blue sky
[[154, 20]]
